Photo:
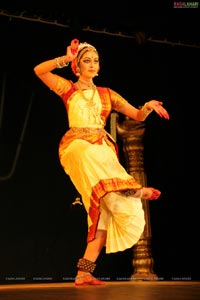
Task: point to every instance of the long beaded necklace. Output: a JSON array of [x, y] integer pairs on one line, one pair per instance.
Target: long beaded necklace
[[89, 101]]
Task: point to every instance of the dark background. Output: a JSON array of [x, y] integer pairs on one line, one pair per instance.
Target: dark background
[[146, 52]]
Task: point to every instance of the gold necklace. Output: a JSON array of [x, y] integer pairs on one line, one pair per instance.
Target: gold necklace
[[88, 84], [89, 101]]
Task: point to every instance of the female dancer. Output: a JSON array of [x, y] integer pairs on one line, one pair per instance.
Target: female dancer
[[87, 152]]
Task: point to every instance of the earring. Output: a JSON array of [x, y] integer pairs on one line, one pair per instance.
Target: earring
[[97, 74], [78, 71]]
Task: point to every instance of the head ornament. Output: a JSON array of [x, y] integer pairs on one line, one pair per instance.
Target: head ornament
[[84, 45]]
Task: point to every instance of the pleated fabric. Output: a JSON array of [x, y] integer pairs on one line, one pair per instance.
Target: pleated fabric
[[123, 218]]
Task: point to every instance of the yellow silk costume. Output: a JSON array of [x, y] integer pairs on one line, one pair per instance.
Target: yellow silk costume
[[88, 155]]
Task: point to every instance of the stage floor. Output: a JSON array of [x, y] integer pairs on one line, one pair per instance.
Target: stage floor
[[137, 290]]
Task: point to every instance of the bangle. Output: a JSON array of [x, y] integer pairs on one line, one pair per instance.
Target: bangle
[[146, 110], [60, 63]]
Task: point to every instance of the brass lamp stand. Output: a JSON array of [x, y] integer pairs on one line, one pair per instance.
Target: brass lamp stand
[[132, 132]]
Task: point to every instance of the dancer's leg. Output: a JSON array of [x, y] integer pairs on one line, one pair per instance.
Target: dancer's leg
[[94, 247], [87, 263]]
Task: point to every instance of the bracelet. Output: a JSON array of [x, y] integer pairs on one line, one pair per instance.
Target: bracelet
[[145, 110], [60, 63]]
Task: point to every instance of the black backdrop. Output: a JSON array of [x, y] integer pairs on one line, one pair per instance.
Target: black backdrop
[[41, 235]]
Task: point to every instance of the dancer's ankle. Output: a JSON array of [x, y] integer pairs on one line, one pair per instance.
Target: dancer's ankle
[[82, 273]]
